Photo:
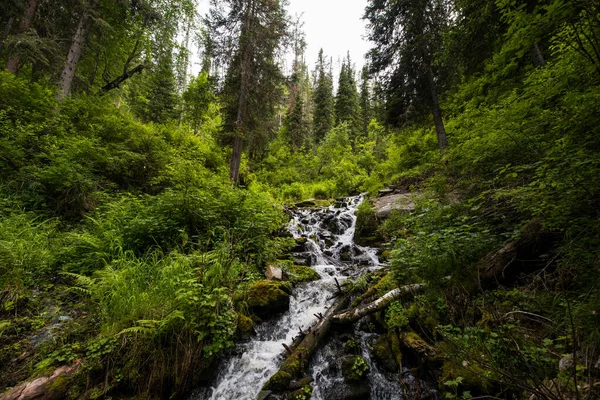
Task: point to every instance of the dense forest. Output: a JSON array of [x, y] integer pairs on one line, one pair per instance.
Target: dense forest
[[141, 202]]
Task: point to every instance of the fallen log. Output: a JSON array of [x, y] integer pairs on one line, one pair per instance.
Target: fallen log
[[51, 387], [357, 313], [296, 363]]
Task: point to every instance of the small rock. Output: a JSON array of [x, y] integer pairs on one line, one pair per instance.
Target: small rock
[[274, 273]]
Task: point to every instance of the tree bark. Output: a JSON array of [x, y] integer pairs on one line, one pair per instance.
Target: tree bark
[[296, 363], [538, 57], [379, 304], [77, 45], [6, 32], [13, 63], [45, 387], [246, 47], [437, 113]]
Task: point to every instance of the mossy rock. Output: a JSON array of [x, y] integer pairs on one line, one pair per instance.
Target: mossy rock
[[304, 393], [352, 346], [384, 355], [279, 382], [245, 325], [395, 347], [355, 369], [266, 298], [473, 377], [300, 273], [413, 341]]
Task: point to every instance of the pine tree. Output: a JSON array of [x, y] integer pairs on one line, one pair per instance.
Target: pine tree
[[408, 37], [365, 102], [162, 94], [347, 107], [295, 126], [323, 116], [253, 82]]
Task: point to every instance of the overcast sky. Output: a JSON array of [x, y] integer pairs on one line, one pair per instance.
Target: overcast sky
[[334, 25]]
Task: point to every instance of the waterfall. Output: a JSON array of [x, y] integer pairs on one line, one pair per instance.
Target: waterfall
[[331, 251]]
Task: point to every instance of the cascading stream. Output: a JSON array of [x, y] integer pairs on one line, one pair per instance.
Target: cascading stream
[[333, 254]]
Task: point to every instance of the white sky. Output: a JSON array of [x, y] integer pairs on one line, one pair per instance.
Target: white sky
[[334, 25]]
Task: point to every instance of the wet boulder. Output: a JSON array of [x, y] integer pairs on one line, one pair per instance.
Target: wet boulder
[[384, 355], [300, 273], [302, 259], [346, 253], [245, 326], [300, 245], [267, 298]]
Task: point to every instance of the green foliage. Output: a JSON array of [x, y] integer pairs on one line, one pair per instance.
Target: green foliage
[[28, 252], [395, 316], [442, 241]]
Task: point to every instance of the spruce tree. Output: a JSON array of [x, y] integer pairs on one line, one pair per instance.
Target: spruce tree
[[365, 102], [323, 116], [347, 107], [253, 84]]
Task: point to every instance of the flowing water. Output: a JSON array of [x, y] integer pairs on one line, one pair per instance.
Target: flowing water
[[331, 251]]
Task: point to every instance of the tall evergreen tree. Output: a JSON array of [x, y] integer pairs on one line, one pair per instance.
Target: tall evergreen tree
[[365, 102], [162, 91], [347, 106], [323, 101], [408, 37], [252, 87]]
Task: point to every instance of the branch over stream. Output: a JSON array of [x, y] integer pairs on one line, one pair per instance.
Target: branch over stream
[[298, 358], [357, 313]]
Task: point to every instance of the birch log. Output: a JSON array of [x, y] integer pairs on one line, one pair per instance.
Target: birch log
[[357, 313]]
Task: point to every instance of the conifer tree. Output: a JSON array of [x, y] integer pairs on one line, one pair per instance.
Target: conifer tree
[[347, 107], [365, 102], [252, 85], [323, 116], [408, 38]]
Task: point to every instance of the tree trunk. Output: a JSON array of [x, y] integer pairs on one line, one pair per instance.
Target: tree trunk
[[297, 361], [379, 304], [246, 46], [68, 72], [437, 113], [538, 57], [236, 158], [13, 63], [6, 32], [50, 387]]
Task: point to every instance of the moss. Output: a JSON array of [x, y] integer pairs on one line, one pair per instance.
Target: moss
[[59, 386], [352, 346], [366, 226], [383, 285], [278, 382], [384, 355], [268, 297], [354, 368], [473, 377], [413, 341], [303, 393], [300, 273], [244, 325], [395, 347]]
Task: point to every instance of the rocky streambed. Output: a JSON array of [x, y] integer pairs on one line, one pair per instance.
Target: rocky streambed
[[351, 361]]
